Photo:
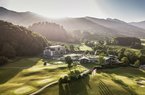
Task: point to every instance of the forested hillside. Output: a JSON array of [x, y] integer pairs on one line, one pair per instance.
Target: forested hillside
[[18, 41], [51, 31]]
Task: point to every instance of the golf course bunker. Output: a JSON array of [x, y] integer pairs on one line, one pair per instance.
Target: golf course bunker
[[141, 82], [58, 62]]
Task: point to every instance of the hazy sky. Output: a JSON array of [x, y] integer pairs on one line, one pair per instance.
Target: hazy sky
[[127, 10]]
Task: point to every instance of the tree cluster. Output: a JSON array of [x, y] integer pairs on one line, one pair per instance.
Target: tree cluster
[[18, 41], [51, 31], [128, 41]]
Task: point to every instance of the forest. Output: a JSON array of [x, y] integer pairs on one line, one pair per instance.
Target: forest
[[18, 41]]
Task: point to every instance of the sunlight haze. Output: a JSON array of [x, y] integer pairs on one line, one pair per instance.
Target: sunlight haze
[[127, 10]]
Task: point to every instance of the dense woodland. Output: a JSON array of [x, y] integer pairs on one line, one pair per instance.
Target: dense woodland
[[51, 31], [128, 41], [125, 55], [18, 41]]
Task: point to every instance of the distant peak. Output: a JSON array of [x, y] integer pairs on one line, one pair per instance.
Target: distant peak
[[27, 12], [115, 20], [2, 8]]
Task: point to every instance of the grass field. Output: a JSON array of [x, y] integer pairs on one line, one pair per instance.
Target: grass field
[[118, 81], [83, 47], [143, 41], [28, 75], [127, 77]]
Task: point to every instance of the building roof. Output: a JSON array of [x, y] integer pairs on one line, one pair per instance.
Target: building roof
[[55, 46], [84, 58]]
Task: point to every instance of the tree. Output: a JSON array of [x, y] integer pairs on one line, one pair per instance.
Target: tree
[[132, 57], [125, 61], [142, 59], [101, 42], [8, 51], [121, 53], [137, 63], [101, 60], [69, 61], [3, 60], [142, 51], [19, 41], [128, 41], [72, 48]]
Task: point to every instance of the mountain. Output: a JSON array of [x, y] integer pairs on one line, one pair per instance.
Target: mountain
[[19, 41], [20, 18], [83, 24], [139, 24], [105, 27], [51, 31], [97, 27], [119, 26]]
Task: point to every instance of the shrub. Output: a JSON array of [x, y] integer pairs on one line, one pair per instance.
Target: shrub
[[65, 79], [137, 63], [69, 61], [101, 60], [142, 59], [125, 60], [132, 56], [121, 53], [3, 60], [142, 51], [8, 51]]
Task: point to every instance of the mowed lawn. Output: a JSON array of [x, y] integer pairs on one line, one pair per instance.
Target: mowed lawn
[[28, 75], [98, 85], [83, 47], [128, 78], [143, 41], [117, 81]]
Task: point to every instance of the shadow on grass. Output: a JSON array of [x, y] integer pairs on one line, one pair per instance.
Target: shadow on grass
[[89, 65], [8, 73], [75, 87], [129, 72]]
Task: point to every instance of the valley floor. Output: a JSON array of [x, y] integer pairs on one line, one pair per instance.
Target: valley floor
[[27, 75]]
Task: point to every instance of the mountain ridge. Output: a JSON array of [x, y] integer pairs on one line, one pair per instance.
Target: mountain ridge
[[106, 27], [140, 24]]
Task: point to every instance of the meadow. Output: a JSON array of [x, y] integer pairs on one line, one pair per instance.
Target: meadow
[[117, 81], [27, 75]]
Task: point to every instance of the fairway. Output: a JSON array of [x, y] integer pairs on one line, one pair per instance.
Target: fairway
[[83, 47], [96, 86], [25, 79], [32, 75], [105, 83]]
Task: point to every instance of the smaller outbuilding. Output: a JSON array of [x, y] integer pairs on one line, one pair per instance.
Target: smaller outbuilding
[[111, 60]]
